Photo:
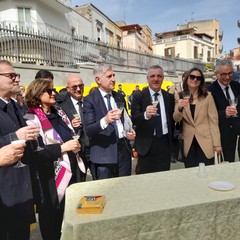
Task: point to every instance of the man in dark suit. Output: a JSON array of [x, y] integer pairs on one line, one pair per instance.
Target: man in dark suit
[[73, 105], [16, 200], [154, 124], [110, 152], [223, 89]]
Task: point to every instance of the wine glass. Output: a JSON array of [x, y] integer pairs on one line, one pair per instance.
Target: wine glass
[[186, 95], [15, 140], [36, 134], [79, 159], [155, 103], [120, 105], [233, 103], [75, 114]]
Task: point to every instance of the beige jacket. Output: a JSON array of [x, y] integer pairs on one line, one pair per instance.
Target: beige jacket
[[204, 126]]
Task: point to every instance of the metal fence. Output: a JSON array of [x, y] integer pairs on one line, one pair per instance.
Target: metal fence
[[27, 46]]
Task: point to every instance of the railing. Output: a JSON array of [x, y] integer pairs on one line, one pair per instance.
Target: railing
[[41, 48]]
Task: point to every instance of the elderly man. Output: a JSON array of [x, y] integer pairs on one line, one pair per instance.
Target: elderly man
[[16, 200], [72, 105], [154, 123], [223, 89], [110, 152]]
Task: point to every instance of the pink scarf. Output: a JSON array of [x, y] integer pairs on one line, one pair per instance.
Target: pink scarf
[[49, 135]]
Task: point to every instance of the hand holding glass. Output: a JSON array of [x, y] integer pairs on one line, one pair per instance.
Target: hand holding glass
[[155, 103], [14, 140], [233, 103]]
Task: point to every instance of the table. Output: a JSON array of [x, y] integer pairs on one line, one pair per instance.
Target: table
[[168, 205]]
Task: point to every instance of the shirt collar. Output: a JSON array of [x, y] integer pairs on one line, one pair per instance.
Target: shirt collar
[[152, 92]]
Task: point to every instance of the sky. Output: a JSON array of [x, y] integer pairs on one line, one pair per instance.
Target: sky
[[163, 16]]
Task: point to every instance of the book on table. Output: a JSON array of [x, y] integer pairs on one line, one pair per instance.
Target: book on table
[[91, 204]]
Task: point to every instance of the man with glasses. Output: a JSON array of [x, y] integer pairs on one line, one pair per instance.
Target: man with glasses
[[223, 89], [16, 200], [72, 106]]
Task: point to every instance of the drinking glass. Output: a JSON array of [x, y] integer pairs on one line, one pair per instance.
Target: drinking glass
[[120, 105], [75, 114], [79, 159], [186, 95], [233, 103], [15, 140], [155, 103], [202, 171], [31, 123]]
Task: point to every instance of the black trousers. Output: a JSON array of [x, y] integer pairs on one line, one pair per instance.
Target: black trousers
[[158, 158], [50, 221], [15, 232], [122, 168], [196, 155]]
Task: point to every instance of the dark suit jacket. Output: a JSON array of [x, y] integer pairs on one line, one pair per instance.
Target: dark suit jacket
[[103, 143], [226, 125], [145, 128], [67, 107], [16, 200]]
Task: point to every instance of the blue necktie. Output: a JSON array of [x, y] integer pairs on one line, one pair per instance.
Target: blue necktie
[[158, 118], [108, 96]]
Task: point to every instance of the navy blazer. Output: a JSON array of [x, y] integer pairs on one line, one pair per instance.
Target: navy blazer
[[16, 200], [145, 128], [103, 142], [221, 103]]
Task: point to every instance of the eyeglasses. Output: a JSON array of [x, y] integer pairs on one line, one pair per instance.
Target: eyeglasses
[[50, 91], [193, 77], [75, 87], [224, 75], [12, 76]]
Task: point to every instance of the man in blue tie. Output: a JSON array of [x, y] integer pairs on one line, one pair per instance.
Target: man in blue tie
[[110, 151], [152, 113]]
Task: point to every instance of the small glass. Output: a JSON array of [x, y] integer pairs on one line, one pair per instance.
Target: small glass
[[186, 95], [202, 171], [15, 140], [155, 103], [79, 159], [233, 102], [120, 106]]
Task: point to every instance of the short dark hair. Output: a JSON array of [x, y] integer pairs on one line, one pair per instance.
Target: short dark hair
[[44, 74]]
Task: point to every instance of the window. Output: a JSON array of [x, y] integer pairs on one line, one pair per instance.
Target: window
[[195, 52], [24, 17], [170, 52]]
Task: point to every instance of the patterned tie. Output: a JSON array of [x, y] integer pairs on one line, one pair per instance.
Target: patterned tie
[[227, 92], [108, 97], [158, 118]]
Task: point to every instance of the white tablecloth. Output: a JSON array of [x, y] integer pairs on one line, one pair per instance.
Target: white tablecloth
[[166, 205]]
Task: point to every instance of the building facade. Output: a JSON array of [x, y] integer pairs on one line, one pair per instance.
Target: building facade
[[185, 43], [136, 37], [210, 27]]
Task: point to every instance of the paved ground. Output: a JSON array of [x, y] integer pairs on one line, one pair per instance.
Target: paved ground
[[36, 235]]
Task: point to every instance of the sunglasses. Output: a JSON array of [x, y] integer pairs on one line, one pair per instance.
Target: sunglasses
[[193, 77], [50, 90], [12, 76], [75, 87]]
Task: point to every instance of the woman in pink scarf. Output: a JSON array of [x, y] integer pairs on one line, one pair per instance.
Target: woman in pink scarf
[[54, 166]]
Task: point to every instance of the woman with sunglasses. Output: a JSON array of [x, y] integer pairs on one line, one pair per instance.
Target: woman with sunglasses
[[54, 165], [198, 113]]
